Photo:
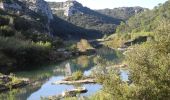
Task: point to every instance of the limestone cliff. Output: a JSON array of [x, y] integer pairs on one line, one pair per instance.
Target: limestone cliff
[[38, 6], [69, 7]]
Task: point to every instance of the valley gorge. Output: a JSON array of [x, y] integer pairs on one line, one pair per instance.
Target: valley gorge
[[68, 51]]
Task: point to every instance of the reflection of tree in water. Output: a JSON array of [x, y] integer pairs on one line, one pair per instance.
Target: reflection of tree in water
[[22, 93], [42, 73], [82, 63], [100, 61], [38, 78], [109, 55], [103, 57]]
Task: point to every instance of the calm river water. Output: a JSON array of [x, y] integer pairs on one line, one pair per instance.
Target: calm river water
[[44, 77]]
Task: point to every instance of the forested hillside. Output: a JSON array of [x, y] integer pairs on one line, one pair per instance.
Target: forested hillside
[[95, 23], [123, 13], [148, 62], [146, 21], [24, 35], [142, 24]]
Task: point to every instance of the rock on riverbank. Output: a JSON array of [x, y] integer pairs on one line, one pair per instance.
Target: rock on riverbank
[[8, 82]]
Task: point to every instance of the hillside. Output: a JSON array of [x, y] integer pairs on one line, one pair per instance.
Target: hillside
[[25, 34], [96, 23], [146, 21], [78, 15], [33, 15], [142, 24], [123, 13]]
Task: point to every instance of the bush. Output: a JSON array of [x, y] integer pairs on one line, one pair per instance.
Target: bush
[[148, 71], [84, 45], [77, 75], [23, 54], [6, 31]]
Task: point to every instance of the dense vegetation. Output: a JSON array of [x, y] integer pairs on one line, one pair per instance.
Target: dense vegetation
[[146, 21], [142, 24], [21, 40], [26, 43], [148, 72], [123, 13], [148, 62]]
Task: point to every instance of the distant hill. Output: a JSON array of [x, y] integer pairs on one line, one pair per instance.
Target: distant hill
[[96, 23], [146, 21], [123, 13], [67, 20], [144, 24]]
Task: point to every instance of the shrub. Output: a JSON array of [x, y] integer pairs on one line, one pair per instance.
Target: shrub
[[6, 31], [23, 54], [77, 75], [84, 45]]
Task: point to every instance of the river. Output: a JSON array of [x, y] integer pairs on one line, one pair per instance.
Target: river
[[46, 75]]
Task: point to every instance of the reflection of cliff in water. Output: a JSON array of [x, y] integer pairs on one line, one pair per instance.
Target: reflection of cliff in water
[[43, 76]]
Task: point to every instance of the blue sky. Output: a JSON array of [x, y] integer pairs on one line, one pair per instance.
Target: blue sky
[[100, 4]]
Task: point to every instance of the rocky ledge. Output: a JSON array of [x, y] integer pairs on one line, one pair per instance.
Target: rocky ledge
[[38, 6], [83, 80], [70, 93]]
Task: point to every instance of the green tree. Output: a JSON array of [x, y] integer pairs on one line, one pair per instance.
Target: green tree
[[150, 66]]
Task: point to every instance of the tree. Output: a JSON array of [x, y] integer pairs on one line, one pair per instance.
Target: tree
[[150, 66], [149, 71]]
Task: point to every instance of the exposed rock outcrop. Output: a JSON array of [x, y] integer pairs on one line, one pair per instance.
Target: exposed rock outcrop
[[69, 7], [11, 82], [38, 6], [65, 94], [9, 6]]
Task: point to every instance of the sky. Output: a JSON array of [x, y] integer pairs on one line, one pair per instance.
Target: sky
[[101, 4]]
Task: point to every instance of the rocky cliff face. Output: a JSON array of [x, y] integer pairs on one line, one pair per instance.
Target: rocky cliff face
[[9, 5], [38, 6], [68, 8]]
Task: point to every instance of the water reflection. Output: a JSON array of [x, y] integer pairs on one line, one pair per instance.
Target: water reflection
[[58, 89], [42, 78]]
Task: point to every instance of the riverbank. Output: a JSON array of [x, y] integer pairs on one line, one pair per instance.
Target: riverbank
[[8, 82], [42, 77]]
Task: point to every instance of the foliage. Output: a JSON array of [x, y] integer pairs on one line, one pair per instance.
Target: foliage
[[84, 45], [77, 75], [43, 44], [153, 65], [123, 13], [6, 31], [15, 51], [25, 43], [116, 40], [146, 21], [149, 71], [113, 86]]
